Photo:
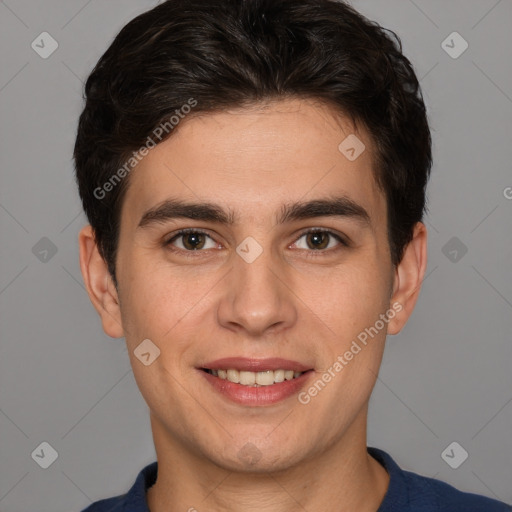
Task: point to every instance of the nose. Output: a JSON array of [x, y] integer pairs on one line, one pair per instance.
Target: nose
[[258, 299]]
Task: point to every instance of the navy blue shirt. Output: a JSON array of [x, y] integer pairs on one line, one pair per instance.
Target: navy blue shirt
[[407, 492]]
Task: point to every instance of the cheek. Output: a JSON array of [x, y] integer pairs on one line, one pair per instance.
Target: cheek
[[159, 302], [350, 303], [351, 295]]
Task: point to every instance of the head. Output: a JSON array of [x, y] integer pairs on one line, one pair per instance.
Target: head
[[235, 120]]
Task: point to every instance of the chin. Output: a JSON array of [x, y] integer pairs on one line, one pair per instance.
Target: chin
[[258, 457]]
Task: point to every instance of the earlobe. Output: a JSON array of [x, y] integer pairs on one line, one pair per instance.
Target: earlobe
[[99, 284], [409, 276]]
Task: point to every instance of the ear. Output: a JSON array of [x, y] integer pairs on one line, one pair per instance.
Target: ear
[[99, 284], [409, 276]]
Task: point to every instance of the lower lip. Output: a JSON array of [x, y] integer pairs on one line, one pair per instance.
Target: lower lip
[[257, 395]]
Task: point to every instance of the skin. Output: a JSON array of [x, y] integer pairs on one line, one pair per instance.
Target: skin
[[294, 301]]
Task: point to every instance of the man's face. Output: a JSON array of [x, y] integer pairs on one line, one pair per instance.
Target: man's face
[[258, 287]]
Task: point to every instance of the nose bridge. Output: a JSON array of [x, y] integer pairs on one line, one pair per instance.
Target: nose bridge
[[256, 299]]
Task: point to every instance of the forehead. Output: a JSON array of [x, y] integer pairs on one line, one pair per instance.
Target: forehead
[[253, 159]]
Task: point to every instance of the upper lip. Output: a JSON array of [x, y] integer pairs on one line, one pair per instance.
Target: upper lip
[[255, 365]]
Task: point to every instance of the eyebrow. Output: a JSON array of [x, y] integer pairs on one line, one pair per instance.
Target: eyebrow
[[340, 206]]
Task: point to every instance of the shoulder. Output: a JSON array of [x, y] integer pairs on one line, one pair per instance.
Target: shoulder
[[449, 499], [134, 500], [107, 505], [409, 491]]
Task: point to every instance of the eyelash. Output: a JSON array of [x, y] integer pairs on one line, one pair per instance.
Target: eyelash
[[311, 253]]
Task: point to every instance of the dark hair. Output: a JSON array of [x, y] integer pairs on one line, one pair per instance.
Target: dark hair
[[234, 53]]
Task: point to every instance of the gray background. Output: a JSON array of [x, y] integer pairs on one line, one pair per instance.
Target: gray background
[[445, 378]]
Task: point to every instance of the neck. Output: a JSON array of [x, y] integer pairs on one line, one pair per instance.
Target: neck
[[342, 478]]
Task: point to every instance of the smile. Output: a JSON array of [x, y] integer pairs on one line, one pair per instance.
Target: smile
[[254, 379], [255, 382]]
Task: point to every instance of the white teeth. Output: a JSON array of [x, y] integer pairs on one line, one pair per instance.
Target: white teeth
[[233, 376], [247, 378], [265, 378], [278, 375]]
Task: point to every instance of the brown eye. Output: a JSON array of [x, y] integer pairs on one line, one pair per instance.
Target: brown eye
[[318, 240], [193, 241], [190, 240]]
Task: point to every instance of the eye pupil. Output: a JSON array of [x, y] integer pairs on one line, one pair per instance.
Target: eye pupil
[[319, 240], [193, 241]]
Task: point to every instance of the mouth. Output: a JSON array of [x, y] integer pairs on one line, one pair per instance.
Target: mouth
[[254, 379], [256, 382]]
